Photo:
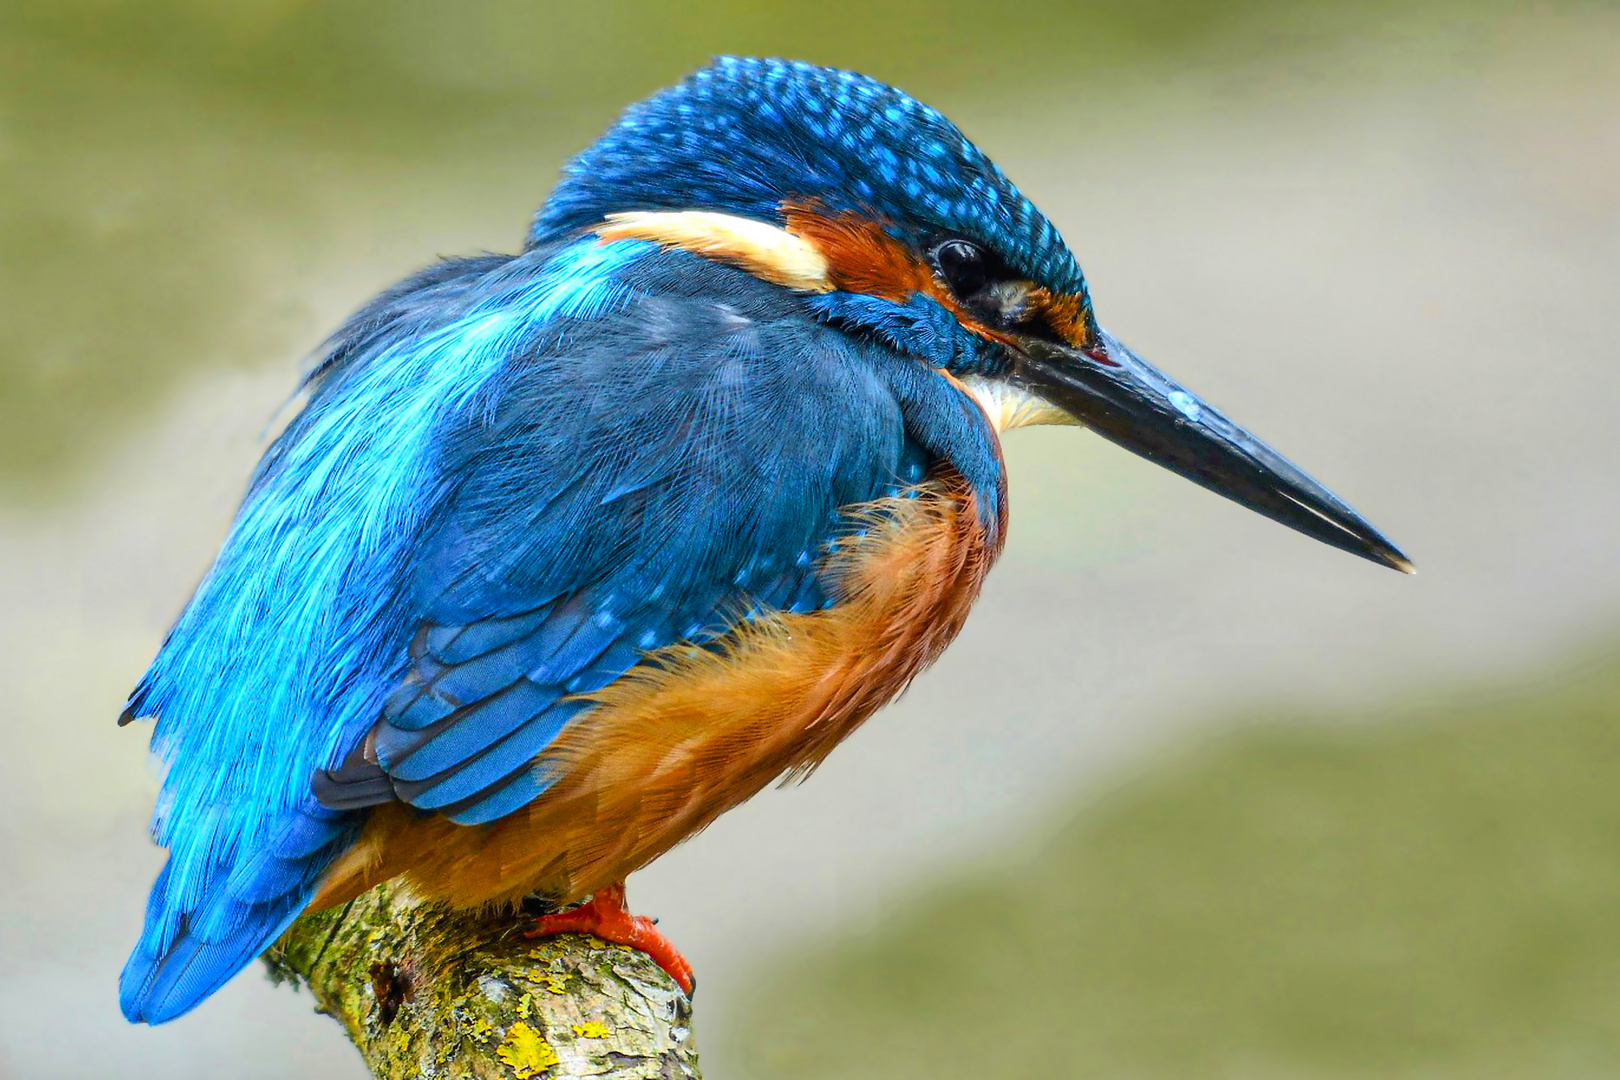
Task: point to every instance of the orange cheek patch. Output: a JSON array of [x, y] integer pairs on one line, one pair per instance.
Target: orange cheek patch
[[863, 258]]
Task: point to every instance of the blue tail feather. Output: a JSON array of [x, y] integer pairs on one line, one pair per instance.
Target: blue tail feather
[[157, 988], [185, 955]]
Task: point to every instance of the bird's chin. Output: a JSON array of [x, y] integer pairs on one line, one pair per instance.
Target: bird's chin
[[1012, 405]]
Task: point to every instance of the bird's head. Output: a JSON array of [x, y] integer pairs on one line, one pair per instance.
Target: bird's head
[[895, 225]]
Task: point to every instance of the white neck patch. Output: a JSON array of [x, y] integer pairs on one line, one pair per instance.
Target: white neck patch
[[766, 251]]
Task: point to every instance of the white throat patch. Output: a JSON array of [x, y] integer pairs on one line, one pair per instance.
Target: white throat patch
[[1010, 406]]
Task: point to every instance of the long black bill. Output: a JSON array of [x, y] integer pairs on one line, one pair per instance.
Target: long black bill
[[1126, 400]]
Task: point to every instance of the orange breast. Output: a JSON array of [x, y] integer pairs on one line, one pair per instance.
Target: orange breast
[[679, 740]]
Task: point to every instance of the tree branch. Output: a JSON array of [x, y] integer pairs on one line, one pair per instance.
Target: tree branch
[[426, 992]]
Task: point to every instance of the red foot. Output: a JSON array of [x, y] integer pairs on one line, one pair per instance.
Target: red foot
[[606, 917]]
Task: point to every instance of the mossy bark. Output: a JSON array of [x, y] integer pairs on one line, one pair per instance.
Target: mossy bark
[[425, 992]]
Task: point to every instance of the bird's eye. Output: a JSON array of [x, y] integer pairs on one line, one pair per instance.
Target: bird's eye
[[963, 266]]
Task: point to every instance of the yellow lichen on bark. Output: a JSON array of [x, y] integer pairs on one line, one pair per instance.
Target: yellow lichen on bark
[[526, 1051], [429, 993]]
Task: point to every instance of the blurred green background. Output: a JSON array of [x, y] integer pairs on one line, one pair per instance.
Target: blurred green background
[[1435, 896], [1191, 797]]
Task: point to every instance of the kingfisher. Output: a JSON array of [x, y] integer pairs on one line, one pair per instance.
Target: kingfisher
[[572, 550]]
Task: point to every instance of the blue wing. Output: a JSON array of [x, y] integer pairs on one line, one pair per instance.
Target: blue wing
[[693, 477], [513, 477]]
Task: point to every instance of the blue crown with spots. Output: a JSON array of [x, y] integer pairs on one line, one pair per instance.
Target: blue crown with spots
[[744, 135]]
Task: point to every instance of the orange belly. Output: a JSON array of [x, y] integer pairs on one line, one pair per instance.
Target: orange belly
[[680, 740]]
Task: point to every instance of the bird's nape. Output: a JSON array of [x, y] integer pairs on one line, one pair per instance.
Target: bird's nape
[[1117, 394]]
